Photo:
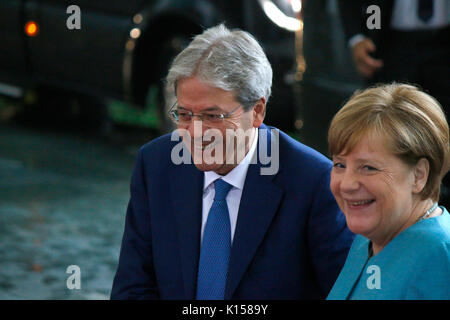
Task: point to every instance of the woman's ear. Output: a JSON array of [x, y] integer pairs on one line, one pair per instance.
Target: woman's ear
[[259, 112], [421, 172]]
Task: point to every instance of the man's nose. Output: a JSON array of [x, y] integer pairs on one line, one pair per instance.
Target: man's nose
[[196, 128]]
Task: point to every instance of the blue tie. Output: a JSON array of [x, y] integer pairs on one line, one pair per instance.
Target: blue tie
[[215, 251]]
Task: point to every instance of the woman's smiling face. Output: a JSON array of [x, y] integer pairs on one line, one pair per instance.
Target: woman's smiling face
[[374, 188]]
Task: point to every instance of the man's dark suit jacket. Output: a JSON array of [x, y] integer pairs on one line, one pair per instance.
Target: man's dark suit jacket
[[291, 240], [354, 18]]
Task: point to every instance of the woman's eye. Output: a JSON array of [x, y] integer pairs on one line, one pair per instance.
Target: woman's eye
[[338, 165], [370, 168]]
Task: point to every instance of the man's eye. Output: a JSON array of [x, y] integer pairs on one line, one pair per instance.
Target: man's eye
[[369, 168], [212, 117], [184, 115]]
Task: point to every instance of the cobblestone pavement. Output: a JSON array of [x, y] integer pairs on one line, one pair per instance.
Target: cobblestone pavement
[[62, 202]]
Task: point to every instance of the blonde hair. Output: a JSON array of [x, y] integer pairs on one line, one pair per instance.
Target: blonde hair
[[411, 120]]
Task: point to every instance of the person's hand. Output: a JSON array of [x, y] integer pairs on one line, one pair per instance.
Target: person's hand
[[365, 64]]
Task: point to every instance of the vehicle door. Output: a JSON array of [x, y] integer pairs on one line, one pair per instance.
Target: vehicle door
[[90, 56]]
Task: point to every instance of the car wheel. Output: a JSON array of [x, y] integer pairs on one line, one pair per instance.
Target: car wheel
[[168, 50]]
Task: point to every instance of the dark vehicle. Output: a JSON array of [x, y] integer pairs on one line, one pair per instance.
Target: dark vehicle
[[123, 49]]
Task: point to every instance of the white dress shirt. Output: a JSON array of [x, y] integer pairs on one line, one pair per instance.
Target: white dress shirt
[[236, 178], [405, 17]]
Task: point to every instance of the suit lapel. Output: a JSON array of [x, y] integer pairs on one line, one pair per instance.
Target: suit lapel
[[351, 272], [186, 194], [259, 203]]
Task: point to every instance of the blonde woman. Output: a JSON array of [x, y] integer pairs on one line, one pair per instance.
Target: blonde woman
[[390, 150]]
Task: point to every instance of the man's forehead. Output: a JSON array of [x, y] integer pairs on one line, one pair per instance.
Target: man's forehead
[[194, 87], [199, 97]]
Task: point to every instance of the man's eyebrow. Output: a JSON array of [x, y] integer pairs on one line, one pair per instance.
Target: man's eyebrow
[[212, 108]]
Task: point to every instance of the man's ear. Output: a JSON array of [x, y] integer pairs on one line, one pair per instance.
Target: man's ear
[[421, 172], [259, 112]]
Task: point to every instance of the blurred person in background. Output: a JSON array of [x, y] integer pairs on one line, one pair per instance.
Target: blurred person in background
[[390, 149], [224, 230], [411, 46]]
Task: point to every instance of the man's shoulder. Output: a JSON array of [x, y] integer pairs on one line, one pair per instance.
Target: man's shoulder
[[160, 143], [295, 154], [158, 150], [301, 168]]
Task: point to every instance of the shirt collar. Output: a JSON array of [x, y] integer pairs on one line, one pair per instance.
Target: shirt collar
[[235, 177]]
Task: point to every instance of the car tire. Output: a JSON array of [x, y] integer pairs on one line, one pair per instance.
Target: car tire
[[168, 50]]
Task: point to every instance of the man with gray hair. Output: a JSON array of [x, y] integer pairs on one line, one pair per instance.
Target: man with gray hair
[[226, 207]]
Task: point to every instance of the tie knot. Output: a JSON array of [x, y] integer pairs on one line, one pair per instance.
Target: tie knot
[[222, 188]]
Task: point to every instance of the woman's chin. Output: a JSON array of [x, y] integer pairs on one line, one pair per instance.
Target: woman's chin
[[360, 225]]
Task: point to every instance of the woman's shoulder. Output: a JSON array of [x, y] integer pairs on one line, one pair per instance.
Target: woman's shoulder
[[429, 240], [433, 232], [432, 267]]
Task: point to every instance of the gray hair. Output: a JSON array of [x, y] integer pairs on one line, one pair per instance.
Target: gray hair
[[231, 60]]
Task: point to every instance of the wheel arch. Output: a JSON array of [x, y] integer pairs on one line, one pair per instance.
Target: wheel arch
[[142, 65]]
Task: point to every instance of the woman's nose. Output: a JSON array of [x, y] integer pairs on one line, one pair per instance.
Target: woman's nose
[[349, 182]]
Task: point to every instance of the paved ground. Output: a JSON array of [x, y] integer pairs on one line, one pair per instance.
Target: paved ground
[[62, 202], [63, 197]]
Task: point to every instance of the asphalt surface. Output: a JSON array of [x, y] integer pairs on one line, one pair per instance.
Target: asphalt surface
[[63, 197]]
